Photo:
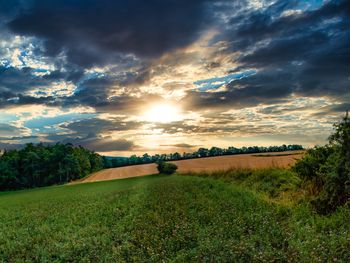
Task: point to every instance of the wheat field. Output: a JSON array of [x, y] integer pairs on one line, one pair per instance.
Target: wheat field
[[208, 164]]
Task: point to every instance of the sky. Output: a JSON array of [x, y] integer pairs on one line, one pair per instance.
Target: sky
[[129, 77]]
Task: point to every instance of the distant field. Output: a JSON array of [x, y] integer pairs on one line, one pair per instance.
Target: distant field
[[241, 218], [255, 161], [121, 173]]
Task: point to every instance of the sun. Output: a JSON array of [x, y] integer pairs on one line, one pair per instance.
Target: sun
[[163, 113]]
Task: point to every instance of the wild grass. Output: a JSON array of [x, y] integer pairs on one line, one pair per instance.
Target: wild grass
[[276, 184], [227, 217]]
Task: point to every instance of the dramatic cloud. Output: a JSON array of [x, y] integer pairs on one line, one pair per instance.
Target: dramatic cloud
[[305, 53], [244, 72], [102, 144], [97, 126], [7, 130], [90, 31]]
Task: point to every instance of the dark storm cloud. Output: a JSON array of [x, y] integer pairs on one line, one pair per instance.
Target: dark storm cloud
[[9, 132], [7, 128], [90, 31], [210, 127], [102, 144], [15, 83], [87, 133], [70, 74], [19, 80], [9, 99], [263, 87], [97, 125], [16, 138], [93, 142], [305, 53], [94, 92], [251, 27], [314, 46], [8, 9], [292, 50], [333, 110]]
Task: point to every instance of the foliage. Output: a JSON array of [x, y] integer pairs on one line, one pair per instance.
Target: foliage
[[166, 168], [200, 153], [166, 219], [309, 167], [326, 170], [42, 165], [274, 182]]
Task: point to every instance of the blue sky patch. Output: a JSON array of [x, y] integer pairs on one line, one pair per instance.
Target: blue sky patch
[[217, 82], [6, 117], [40, 123]]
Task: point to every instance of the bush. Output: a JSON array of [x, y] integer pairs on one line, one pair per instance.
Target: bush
[[309, 167], [166, 168], [327, 170]]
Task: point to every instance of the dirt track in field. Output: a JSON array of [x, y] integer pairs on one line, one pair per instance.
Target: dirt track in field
[[209, 164]]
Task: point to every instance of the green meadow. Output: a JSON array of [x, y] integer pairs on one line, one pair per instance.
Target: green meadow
[[239, 216]]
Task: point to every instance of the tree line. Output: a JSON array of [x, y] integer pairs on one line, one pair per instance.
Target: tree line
[[43, 165], [109, 162]]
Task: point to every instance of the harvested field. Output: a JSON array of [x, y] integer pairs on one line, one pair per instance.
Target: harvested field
[[209, 164], [122, 172], [237, 161]]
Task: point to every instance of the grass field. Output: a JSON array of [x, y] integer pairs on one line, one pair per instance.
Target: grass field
[[208, 164], [230, 216]]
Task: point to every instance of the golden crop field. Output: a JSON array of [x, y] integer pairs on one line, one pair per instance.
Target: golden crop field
[[209, 164]]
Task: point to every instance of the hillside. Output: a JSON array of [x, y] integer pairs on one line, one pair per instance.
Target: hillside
[[167, 218], [264, 160]]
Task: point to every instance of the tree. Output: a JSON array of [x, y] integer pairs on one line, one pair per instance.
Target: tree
[[133, 159], [106, 162], [166, 168], [203, 152], [96, 162], [328, 169], [70, 168], [338, 165], [176, 156], [40, 165], [215, 151], [31, 168], [9, 178], [146, 158]]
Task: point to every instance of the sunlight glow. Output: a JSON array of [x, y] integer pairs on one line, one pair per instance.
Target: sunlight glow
[[163, 113]]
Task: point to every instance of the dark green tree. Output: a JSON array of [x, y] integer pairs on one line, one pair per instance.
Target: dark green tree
[[166, 168], [327, 169], [41, 165]]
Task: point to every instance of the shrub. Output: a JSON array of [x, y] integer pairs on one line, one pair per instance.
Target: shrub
[[327, 169], [308, 168], [166, 168]]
